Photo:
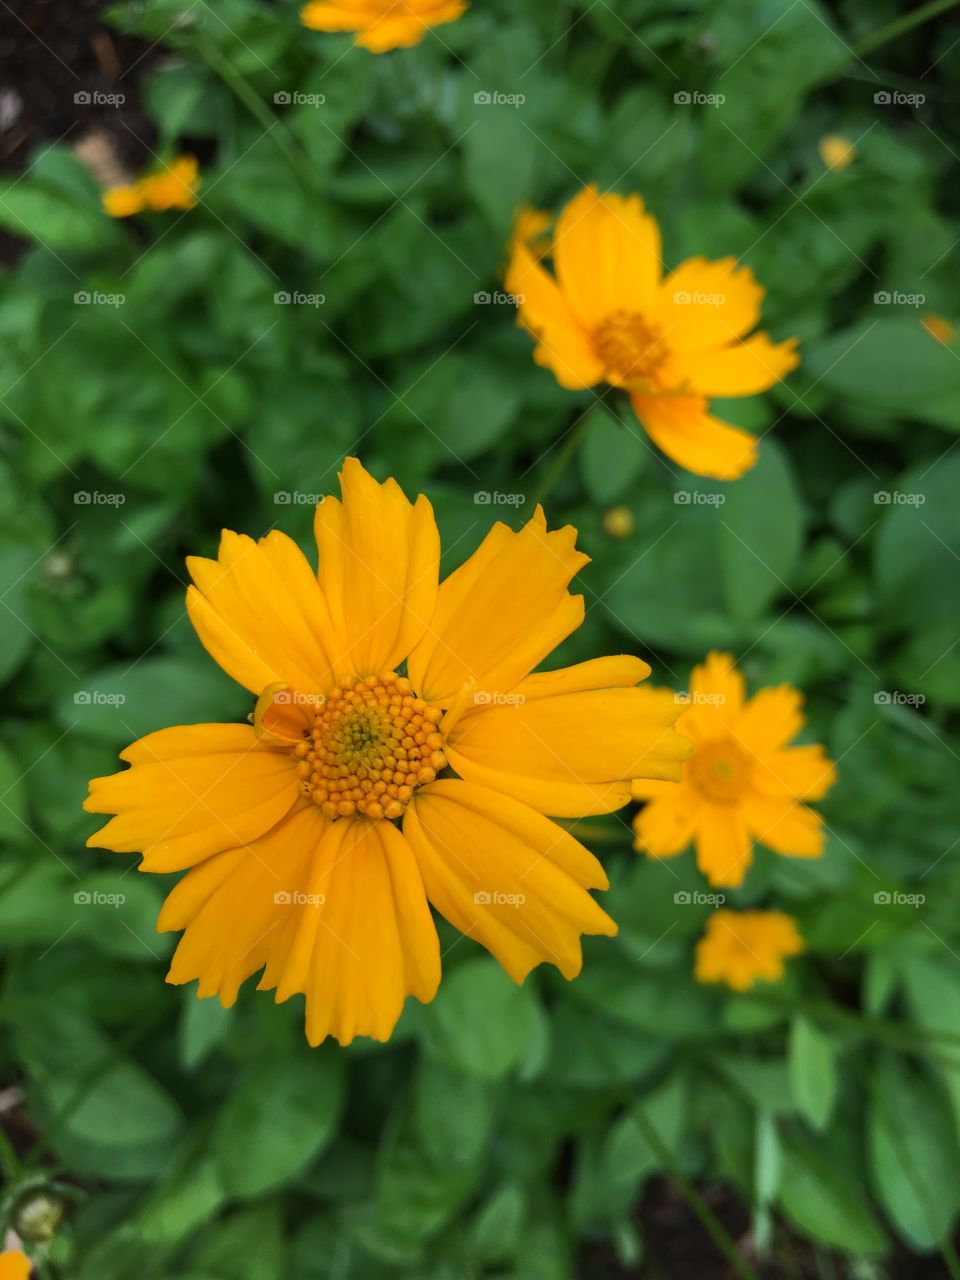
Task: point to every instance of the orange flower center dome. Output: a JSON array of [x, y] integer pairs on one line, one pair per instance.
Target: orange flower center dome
[[720, 771], [629, 347], [367, 746]]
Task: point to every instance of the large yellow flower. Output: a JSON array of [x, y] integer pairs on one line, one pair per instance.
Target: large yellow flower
[[286, 827], [381, 25], [742, 783], [672, 342], [14, 1265], [741, 946]]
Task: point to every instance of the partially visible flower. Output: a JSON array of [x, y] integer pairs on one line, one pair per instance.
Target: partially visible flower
[[618, 522], [608, 314], [938, 328], [381, 25], [314, 839], [836, 152], [173, 186], [125, 201], [14, 1265], [740, 947], [743, 783], [530, 229]]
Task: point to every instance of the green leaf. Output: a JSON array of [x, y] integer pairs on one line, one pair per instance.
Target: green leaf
[[54, 218], [480, 1023], [824, 1200], [914, 1166], [612, 454], [761, 533], [813, 1072], [283, 1114]]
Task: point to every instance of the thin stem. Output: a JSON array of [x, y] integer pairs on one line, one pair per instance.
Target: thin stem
[[901, 25], [270, 123]]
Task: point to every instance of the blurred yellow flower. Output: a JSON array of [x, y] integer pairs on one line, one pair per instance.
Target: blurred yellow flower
[[618, 522], [381, 25], [743, 782], [837, 152], [741, 946], [609, 315], [174, 186], [530, 228], [14, 1266], [938, 328], [285, 826], [123, 202]]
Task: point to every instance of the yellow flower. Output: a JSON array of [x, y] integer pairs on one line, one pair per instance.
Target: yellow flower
[[381, 25], [837, 152], [611, 316], [530, 228], [618, 522], [315, 837], [14, 1266], [123, 202], [743, 783], [938, 328], [741, 946], [172, 187]]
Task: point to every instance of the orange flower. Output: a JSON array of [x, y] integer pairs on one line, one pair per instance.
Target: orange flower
[[611, 316], [314, 839], [742, 782], [938, 328], [14, 1265], [741, 946], [173, 186], [837, 152], [381, 25]]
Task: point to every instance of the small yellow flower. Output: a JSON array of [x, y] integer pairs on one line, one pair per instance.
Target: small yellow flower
[[609, 315], [381, 25], [315, 838], [123, 202], [741, 946], [743, 782], [174, 186], [618, 522], [837, 152], [938, 328], [14, 1265]]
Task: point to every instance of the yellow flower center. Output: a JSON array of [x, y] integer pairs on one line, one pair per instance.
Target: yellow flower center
[[720, 771], [629, 348], [371, 745]]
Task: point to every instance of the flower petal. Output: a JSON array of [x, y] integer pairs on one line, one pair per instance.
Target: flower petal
[[607, 255], [706, 304], [683, 428], [379, 569], [802, 772], [783, 825], [564, 347], [770, 719], [506, 876], [723, 845], [260, 614], [665, 826], [570, 754], [191, 792], [715, 699], [499, 614], [334, 910], [743, 369]]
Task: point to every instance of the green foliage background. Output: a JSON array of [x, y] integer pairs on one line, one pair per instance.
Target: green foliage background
[[504, 1129]]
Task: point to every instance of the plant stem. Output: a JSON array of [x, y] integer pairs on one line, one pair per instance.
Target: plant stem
[[901, 25]]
